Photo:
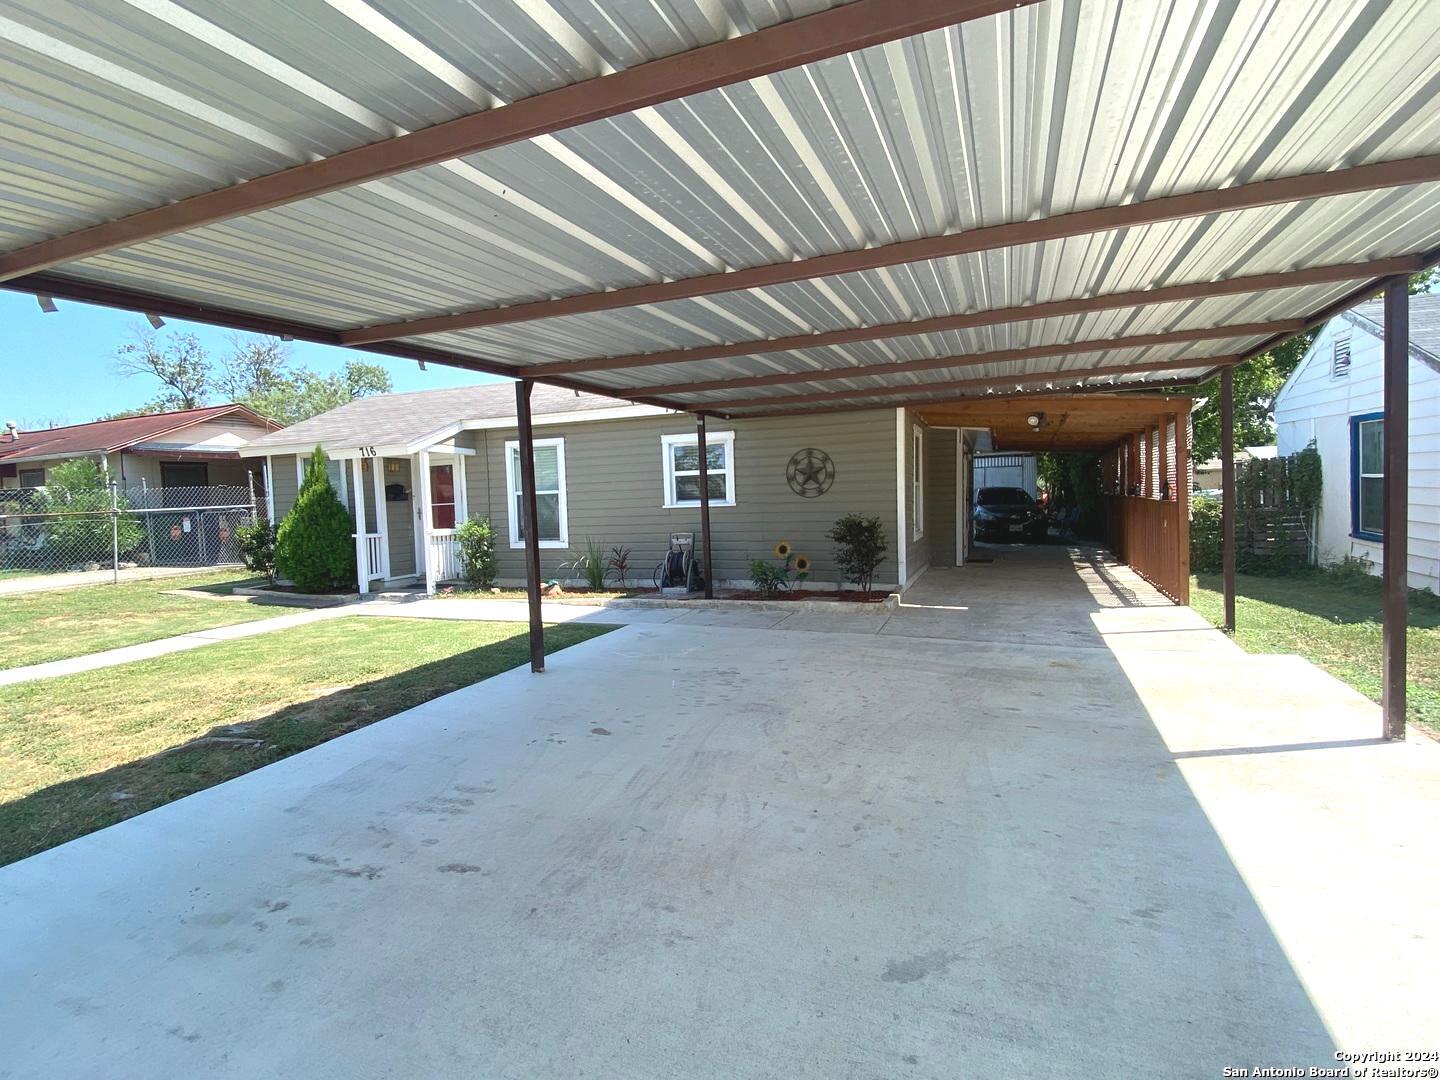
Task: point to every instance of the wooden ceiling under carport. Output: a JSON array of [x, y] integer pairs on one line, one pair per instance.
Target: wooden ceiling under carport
[[1071, 422]]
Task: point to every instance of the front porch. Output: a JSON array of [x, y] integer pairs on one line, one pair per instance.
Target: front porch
[[410, 501]]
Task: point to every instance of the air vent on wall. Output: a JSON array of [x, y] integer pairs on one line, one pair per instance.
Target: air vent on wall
[[1340, 357]]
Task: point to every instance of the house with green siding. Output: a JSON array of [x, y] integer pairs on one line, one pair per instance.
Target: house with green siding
[[413, 466]]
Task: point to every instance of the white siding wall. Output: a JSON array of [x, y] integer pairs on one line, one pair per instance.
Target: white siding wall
[[1316, 407]]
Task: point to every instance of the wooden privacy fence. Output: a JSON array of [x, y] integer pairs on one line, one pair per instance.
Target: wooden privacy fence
[[1153, 537], [1147, 504]]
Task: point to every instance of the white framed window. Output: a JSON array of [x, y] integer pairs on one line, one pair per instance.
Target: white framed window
[[337, 471], [681, 467], [550, 508], [1340, 356], [917, 482]]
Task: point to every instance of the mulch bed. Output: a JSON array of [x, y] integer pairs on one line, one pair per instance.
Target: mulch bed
[[803, 594]]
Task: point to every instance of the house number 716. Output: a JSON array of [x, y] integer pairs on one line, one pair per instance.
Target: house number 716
[[367, 451]]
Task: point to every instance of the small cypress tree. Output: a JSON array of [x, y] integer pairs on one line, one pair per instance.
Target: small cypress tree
[[314, 546]]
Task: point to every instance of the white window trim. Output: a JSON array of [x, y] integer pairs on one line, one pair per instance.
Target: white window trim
[[302, 462], [917, 483], [667, 468], [513, 447]]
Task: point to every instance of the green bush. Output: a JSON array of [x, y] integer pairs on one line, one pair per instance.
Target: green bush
[[859, 548], [315, 546], [80, 492], [1204, 535], [768, 578], [476, 541], [256, 540]]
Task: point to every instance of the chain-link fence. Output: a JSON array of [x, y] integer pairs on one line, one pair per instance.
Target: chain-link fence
[[113, 529]]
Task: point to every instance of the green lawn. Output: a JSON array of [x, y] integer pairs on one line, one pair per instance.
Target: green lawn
[[85, 751], [1334, 622], [40, 626]]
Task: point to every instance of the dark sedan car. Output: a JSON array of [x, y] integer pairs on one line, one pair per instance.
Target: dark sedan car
[[1006, 513]]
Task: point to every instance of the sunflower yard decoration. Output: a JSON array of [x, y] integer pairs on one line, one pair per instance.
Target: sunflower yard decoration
[[771, 579]]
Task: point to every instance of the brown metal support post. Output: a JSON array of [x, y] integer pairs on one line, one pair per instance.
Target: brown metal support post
[[1227, 493], [704, 504], [1396, 504], [528, 522]]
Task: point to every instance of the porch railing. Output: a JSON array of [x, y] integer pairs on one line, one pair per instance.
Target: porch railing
[[444, 555], [374, 556]]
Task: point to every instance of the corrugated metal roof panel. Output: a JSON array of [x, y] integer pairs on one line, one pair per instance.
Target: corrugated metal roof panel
[[1065, 105]]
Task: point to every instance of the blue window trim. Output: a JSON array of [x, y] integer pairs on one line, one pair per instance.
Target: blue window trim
[[1355, 530]]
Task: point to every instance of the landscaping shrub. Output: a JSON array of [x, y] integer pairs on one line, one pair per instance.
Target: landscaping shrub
[[476, 541], [80, 491], [768, 578], [315, 546], [1204, 535], [591, 565], [256, 540], [617, 566], [859, 548]]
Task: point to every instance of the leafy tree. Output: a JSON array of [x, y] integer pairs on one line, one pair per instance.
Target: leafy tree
[[257, 371], [314, 547], [307, 393], [859, 548], [1256, 382], [255, 366], [1073, 479], [78, 492], [180, 363]]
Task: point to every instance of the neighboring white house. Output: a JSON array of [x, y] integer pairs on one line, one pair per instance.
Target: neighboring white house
[[1334, 398]]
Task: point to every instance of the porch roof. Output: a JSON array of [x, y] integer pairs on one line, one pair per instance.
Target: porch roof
[[408, 423], [741, 208]]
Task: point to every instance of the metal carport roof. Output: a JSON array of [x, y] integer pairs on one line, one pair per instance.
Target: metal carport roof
[[1070, 194]]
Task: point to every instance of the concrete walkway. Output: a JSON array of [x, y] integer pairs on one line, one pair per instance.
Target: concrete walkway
[[149, 650], [77, 579], [717, 851]]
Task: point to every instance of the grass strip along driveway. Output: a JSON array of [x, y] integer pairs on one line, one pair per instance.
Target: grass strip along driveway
[[42, 626], [1334, 622], [85, 751]]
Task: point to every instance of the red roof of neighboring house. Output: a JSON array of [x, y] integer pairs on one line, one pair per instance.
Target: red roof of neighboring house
[[107, 436]]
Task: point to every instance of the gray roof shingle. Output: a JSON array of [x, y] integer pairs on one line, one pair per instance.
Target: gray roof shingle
[[1424, 323], [401, 419]]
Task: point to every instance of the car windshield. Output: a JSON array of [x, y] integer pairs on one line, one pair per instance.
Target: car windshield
[[998, 496]]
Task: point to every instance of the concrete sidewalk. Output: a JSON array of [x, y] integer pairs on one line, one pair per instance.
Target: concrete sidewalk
[[149, 650]]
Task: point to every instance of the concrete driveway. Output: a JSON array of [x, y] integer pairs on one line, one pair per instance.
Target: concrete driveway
[[721, 851]]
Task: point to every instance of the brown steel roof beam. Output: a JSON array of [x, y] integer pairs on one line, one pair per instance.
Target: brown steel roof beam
[[806, 40], [999, 356], [1289, 279], [1386, 174], [922, 403], [913, 389], [62, 288]]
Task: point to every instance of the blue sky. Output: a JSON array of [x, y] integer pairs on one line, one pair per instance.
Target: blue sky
[[60, 368]]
